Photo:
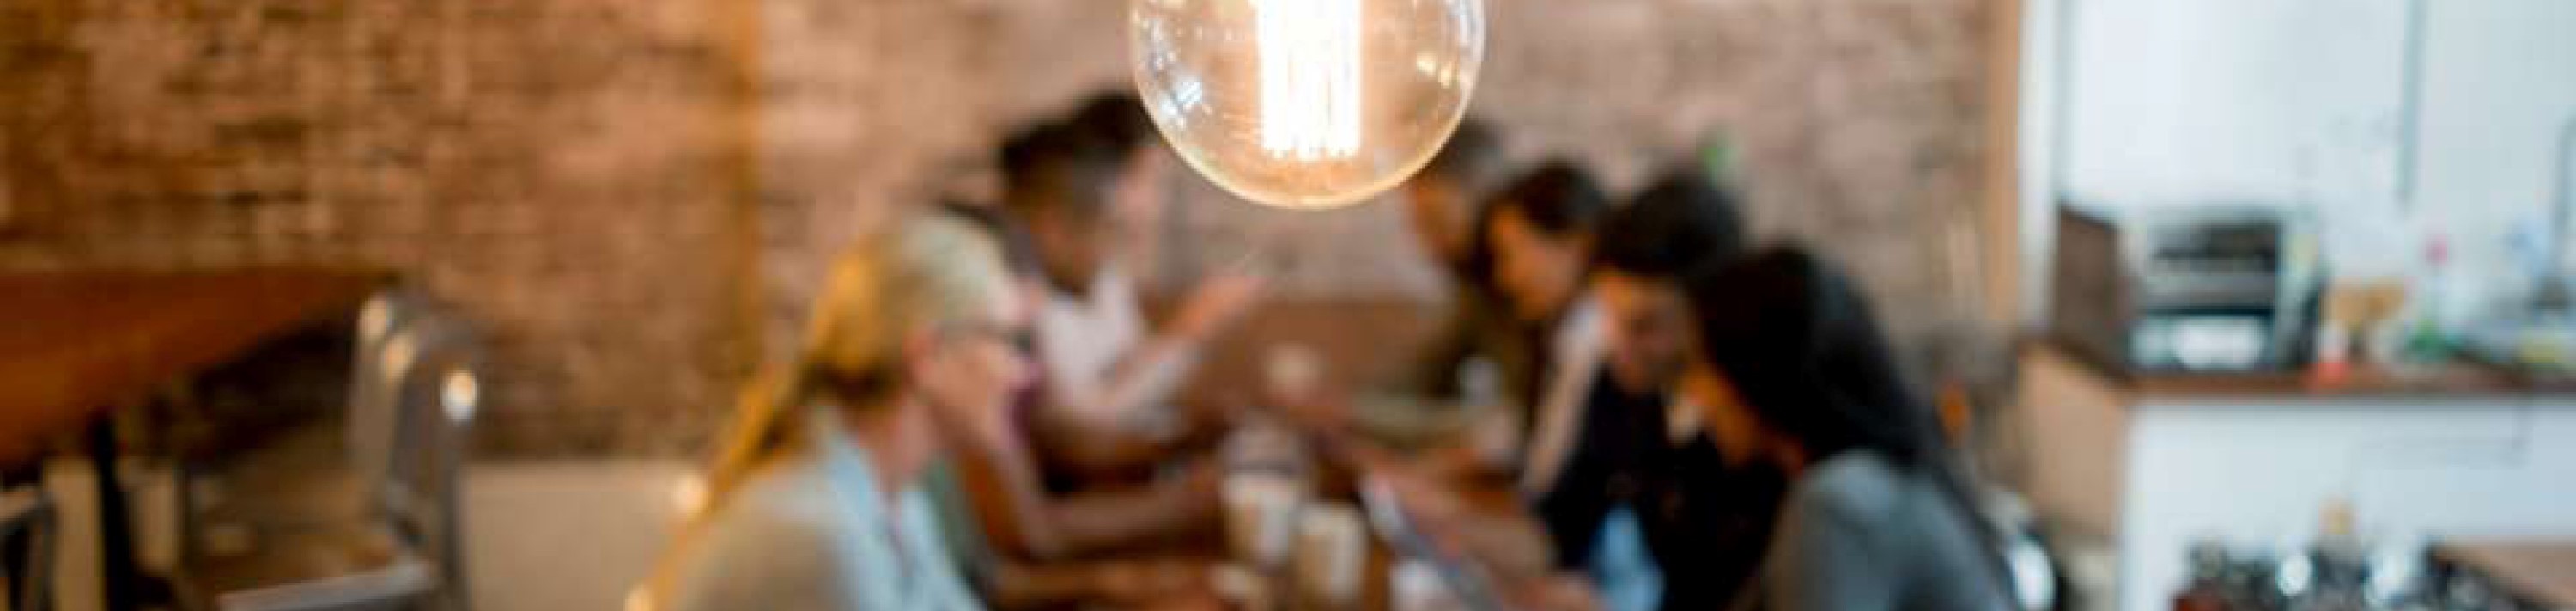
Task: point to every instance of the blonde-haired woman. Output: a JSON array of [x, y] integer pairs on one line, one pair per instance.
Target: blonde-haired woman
[[814, 501]]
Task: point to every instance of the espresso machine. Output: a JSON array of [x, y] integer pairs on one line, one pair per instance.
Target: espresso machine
[[2223, 290], [2208, 289]]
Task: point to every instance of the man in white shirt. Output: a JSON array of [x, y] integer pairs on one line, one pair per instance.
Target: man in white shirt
[[1081, 189]]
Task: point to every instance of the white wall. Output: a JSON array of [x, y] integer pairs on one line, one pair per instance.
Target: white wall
[[2043, 27], [2499, 85], [2179, 102], [2300, 103]]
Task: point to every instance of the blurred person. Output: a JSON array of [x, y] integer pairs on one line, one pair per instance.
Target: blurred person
[[1442, 203], [1530, 240], [1791, 372], [1021, 545], [1107, 413], [1584, 438], [1712, 519], [1117, 120], [1680, 224], [815, 499]]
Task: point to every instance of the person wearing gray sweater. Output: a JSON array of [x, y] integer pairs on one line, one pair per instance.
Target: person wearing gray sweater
[[1792, 373]]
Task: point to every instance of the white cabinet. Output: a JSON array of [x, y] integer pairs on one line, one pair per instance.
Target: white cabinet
[[2263, 471]]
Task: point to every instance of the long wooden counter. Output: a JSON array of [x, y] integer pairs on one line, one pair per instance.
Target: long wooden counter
[[2361, 381]]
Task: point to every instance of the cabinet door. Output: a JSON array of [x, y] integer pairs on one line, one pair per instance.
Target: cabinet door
[[2261, 473]]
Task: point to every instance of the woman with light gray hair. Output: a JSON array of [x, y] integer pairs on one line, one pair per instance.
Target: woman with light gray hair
[[815, 500]]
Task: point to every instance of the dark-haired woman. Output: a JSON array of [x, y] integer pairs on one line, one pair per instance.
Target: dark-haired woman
[[1791, 372], [1585, 436]]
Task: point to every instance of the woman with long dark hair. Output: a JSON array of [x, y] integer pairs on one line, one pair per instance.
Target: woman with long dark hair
[[1584, 437], [1791, 372]]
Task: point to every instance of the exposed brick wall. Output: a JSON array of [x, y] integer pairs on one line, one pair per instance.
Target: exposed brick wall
[[638, 197], [865, 106], [566, 172]]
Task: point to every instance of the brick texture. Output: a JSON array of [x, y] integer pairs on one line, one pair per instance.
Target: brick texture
[[636, 198], [568, 173]]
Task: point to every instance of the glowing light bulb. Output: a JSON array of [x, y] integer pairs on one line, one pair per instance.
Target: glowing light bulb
[[1306, 103], [1310, 78]]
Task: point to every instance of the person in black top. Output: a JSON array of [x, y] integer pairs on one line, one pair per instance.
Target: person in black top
[[1442, 204], [1701, 516], [1585, 438], [1790, 371]]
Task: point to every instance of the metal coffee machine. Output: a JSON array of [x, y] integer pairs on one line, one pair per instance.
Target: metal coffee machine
[[2223, 290], [2233, 289]]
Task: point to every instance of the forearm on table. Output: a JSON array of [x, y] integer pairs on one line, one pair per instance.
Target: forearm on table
[[1009, 502], [1092, 523], [1147, 376], [1023, 521], [1026, 587], [1097, 423], [1435, 369], [1092, 448]]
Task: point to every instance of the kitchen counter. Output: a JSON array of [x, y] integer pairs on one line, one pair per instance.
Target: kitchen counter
[[2362, 381], [2540, 573], [2166, 459]]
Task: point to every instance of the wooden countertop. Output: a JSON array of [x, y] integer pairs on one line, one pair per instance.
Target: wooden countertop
[[2455, 380], [2537, 572], [74, 345]]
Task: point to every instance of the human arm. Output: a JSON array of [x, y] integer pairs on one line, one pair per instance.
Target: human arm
[[1830, 556], [1104, 415], [1025, 521]]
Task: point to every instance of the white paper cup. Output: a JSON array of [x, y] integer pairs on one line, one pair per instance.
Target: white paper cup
[[1332, 550], [1260, 517]]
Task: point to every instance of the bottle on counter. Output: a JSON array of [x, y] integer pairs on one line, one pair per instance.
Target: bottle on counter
[[2427, 339]]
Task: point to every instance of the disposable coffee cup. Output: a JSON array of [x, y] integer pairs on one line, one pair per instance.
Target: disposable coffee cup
[[1260, 517], [1332, 551]]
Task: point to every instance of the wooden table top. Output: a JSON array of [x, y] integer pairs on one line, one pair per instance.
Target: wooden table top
[[1480, 519], [2539, 572], [75, 344]]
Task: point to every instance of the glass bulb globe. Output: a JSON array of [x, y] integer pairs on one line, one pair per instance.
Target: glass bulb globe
[[1306, 103]]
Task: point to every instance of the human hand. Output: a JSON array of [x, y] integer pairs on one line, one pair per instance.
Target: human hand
[[1321, 414], [1452, 462], [1203, 478], [1210, 421], [1555, 593], [1216, 303], [1434, 507]]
